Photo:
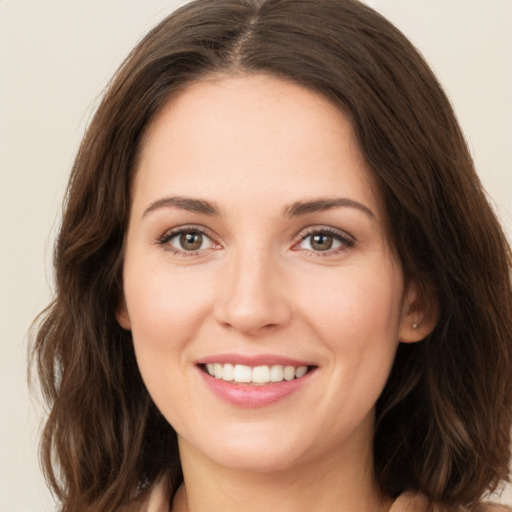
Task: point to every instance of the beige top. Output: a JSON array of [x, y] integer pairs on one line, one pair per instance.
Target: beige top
[[158, 501]]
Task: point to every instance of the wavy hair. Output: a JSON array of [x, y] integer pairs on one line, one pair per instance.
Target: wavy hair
[[444, 418]]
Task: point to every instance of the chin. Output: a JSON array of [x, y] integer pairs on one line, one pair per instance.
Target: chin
[[244, 451]]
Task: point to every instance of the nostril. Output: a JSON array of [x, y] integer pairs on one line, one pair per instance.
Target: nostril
[[251, 303]]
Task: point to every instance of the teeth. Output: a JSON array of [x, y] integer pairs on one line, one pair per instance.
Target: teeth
[[242, 373], [261, 374], [300, 371], [276, 373], [257, 375], [218, 370], [289, 373], [228, 372]]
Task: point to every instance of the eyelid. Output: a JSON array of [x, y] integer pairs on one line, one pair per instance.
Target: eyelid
[[169, 234], [347, 240]]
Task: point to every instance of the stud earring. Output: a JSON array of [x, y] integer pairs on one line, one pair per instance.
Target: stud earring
[[415, 325]]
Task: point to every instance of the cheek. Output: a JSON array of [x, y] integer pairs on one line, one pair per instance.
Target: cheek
[[358, 317], [357, 304], [165, 309]]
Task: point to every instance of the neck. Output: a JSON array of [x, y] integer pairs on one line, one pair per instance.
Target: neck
[[341, 482]]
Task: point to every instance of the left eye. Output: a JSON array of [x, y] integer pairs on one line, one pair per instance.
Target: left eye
[[323, 241], [189, 241]]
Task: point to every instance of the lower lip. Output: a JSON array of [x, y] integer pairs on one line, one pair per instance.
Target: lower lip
[[246, 395]]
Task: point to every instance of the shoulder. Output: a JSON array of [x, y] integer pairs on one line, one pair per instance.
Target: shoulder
[[492, 507], [154, 499], [412, 502]]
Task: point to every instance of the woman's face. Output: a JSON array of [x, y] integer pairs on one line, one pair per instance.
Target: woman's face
[[256, 251]]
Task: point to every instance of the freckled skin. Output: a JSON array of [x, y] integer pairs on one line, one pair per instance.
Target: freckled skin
[[252, 146]]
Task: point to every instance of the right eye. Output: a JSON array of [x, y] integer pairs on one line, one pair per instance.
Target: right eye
[[186, 241]]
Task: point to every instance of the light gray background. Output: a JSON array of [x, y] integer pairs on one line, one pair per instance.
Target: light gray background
[[56, 56]]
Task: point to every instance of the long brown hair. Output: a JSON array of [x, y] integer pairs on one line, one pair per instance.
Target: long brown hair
[[444, 418]]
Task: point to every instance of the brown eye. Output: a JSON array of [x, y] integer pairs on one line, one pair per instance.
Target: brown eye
[[321, 242], [326, 241], [187, 241], [191, 241]]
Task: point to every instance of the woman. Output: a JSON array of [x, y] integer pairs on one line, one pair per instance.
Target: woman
[[279, 282]]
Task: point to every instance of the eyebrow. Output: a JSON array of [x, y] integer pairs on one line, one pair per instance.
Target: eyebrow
[[296, 209], [318, 205], [184, 203]]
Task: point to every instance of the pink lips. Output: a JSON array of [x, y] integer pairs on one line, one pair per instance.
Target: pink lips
[[263, 359], [246, 395]]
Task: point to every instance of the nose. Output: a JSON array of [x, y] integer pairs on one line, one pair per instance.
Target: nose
[[252, 297]]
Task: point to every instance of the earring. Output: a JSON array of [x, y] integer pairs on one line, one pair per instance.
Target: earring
[[415, 325]]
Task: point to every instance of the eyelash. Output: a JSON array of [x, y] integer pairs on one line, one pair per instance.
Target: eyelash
[[182, 230], [346, 241]]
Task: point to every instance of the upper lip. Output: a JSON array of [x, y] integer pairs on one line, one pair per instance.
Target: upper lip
[[256, 360]]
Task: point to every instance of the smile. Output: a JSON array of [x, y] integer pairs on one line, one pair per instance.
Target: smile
[[259, 375], [249, 382]]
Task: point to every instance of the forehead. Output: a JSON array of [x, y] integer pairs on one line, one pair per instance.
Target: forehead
[[254, 135], [217, 100]]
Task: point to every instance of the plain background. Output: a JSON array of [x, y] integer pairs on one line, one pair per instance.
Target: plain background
[[56, 56]]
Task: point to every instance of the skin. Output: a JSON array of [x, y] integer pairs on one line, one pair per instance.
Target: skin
[[251, 147]]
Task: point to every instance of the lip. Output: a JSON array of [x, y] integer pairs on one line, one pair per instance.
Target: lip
[[257, 360], [251, 396]]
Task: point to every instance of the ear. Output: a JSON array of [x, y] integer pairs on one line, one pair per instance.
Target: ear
[[420, 313], [122, 316]]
